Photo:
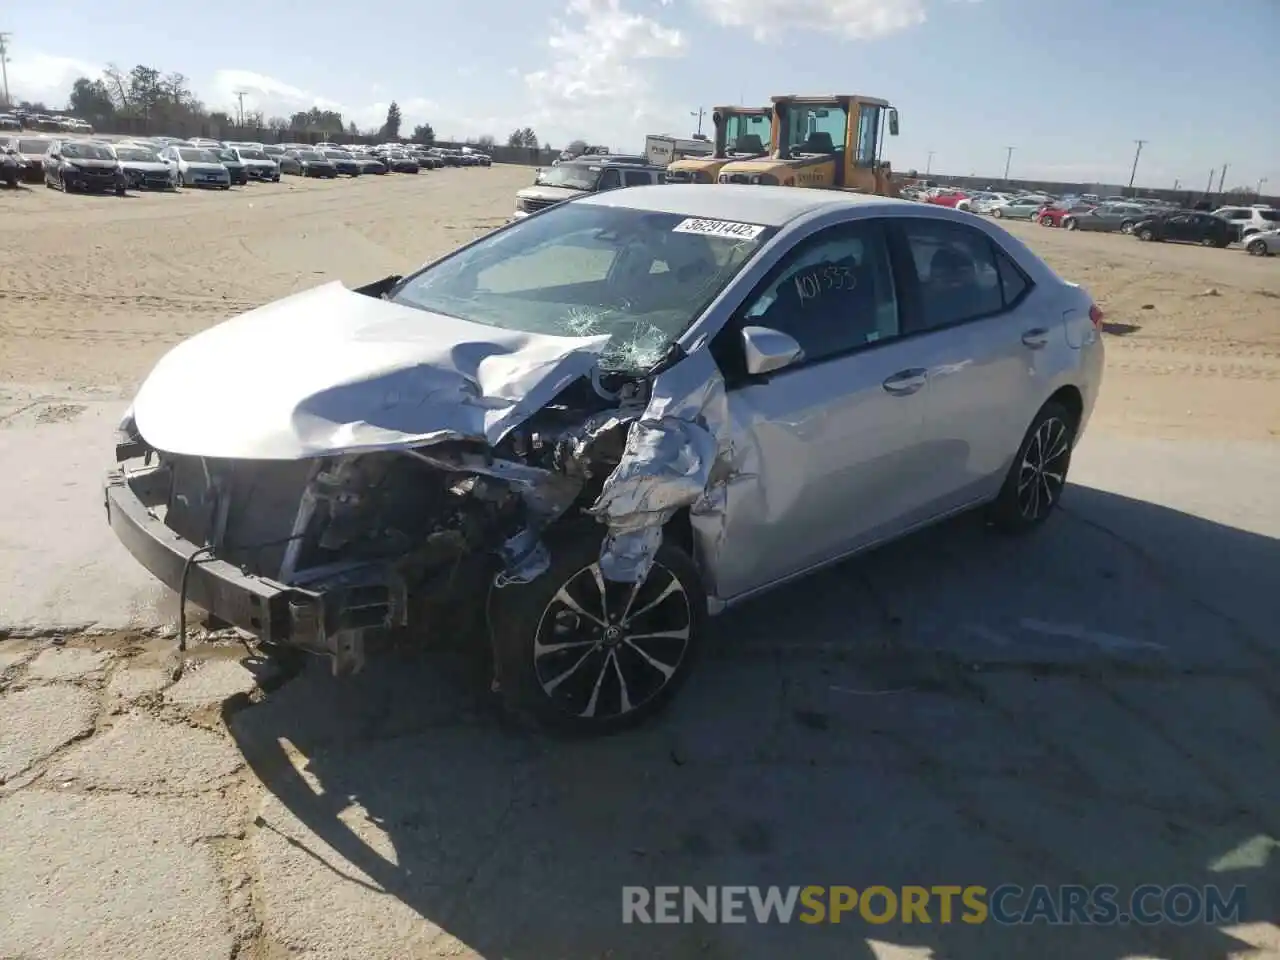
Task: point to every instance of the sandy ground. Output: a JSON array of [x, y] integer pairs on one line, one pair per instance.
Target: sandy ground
[[94, 289], [1093, 704]]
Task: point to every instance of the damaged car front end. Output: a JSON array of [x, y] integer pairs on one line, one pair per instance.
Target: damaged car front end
[[476, 442]]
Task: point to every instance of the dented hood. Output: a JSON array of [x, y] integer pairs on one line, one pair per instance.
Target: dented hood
[[332, 371]]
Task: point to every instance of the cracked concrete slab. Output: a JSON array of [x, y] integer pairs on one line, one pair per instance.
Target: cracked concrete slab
[[210, 681], [140, 753], [67, 663], [87, 877], [15, 652], [61, 567], [35, 722], [130, 683]]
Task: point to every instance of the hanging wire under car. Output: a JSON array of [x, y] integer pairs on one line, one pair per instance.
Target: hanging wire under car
[[200, 553]]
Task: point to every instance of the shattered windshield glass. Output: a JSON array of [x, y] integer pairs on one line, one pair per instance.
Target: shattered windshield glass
[[639, 277]]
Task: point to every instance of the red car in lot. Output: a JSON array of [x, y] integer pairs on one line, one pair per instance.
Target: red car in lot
[[1052, 215], [948, 198]]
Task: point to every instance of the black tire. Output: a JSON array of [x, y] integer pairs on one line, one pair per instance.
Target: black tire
[[224, 186], [1146, 235], [1126, 227], [996, 213], [1209, 242], [1257, 248], [1046, 221], [1070, 224], [1038, 474], [120, 191], [563, 690]]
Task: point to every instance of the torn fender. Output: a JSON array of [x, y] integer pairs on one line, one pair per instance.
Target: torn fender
[[331, 371], [679, 453]]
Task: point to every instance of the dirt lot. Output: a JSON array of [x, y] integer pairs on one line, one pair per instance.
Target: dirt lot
[[1095, 704], [94, 289]]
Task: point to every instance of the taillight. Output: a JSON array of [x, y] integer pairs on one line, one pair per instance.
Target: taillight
[[1096, 315]]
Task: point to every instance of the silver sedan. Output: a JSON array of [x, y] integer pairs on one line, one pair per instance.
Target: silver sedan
[[1263, 244], [600, 424]]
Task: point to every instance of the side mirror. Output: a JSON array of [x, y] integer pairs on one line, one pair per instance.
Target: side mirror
[[768, 350], [893, 121]]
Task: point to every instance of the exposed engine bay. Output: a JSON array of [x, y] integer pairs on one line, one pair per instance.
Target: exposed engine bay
[[316, 551]]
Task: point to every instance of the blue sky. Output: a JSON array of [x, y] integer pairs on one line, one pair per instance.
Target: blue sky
[[1068, 83]]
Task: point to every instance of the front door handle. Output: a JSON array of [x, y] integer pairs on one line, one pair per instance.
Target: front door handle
[[906, 382], [1036, 338]]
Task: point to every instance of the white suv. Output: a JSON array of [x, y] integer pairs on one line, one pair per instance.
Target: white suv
[[1249, 220]]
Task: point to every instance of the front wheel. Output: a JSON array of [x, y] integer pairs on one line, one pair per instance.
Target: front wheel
[[1070, 224], [1126, 227], [996, 213], [578, 653], [1038, 474], [1257, 249], [1046, 221], [1146, 235]]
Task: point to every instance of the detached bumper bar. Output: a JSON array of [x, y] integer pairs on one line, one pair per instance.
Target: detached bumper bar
[[328, 622]]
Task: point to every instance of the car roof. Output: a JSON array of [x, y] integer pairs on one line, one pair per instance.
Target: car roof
[[770, 206]]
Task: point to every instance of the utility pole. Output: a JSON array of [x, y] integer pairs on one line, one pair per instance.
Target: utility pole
[[1176, 184], [699, 113], [929, 163], [4, 65], [1259, 190], [1222, 179], [1008, 159], [239, 95], [1136, 154]]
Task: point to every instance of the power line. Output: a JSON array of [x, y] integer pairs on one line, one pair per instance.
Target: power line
[[4, 64], [1136, 154]]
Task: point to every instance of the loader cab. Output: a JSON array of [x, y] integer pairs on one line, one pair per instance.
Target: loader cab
[[826, 142], [740, 133]]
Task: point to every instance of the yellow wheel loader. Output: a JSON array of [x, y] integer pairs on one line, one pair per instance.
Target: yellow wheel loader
[[830, 142], [741, 133]]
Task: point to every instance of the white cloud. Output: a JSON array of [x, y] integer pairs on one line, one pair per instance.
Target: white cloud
[[277, 98], [596, 84], [42, 78], [850, 19]]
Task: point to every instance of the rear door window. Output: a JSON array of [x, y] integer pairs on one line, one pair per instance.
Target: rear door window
[[636, 178], [957, 270]]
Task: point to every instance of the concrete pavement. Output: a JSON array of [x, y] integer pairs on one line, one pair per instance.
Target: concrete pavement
[[1093, 704]]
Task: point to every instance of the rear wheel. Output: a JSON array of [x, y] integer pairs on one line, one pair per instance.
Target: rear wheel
[[1146, 234], [996, 213], [578, 653], [1070, 224], [1126, 227], [1257, 248], [1038, 473], [1046, 221], [1209, 242]]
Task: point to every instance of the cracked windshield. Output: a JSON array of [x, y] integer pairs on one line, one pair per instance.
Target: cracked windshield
[[584, 271]]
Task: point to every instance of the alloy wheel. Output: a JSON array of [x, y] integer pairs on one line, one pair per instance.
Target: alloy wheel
[[605, 649], [1043, 470]]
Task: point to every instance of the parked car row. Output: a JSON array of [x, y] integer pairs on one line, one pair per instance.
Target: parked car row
[[166, 163], [52, 123], [1145, 218]]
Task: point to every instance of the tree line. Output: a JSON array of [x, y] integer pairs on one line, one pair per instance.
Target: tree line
[[162, 99]]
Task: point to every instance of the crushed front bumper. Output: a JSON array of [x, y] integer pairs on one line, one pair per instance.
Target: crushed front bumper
[[329, 620]]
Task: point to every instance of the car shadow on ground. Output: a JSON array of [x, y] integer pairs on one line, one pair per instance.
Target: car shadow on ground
[[1080, 706]]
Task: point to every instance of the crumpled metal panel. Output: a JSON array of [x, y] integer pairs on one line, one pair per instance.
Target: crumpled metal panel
[[331, 371], [679, 453]]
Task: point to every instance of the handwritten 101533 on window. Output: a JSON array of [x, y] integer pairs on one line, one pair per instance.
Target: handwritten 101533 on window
[[811, 284]]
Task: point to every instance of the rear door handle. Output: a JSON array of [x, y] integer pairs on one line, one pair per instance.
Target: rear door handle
[[1036, 338], [906, 382]]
